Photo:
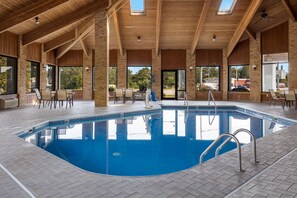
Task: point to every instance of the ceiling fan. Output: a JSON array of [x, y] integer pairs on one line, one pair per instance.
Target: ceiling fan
[[264, 16]]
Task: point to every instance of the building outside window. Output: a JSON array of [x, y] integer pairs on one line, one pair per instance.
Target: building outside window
[[50, 77], [71, 78], [208, 78], [139, 78], [275, 70], [8, 75], [239, 78], [32, 76]]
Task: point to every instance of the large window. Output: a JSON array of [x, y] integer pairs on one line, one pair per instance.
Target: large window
[[112, 78], [50, 77], [208, 78], [32, 76], [70, 78], [8, 75], [139, 78], [275, 69], [239, 78]]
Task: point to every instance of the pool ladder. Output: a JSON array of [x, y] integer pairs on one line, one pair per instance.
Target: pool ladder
[[232, 136], [210, 97]]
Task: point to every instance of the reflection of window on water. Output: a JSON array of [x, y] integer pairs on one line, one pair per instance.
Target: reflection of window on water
[[238, 122], [137, 128], [275, 70], [205, 130]]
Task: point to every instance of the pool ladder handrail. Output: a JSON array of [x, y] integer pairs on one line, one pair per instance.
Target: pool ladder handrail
[[210, 97], [254, 152], [231, 136]]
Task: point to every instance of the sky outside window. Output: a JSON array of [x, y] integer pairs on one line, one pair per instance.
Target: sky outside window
[[137, 7], [226, 7]]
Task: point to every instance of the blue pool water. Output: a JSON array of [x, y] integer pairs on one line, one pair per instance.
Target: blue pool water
[[157, 142]]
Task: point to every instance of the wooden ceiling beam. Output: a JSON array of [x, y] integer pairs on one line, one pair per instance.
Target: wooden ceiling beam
[[118, 33], [200, 24], [245, 20], [115, 7], [289, 9], [59, 41], [158, 24], [31, 10], [84, 47], [68, 19], [251, 32], [83, 31]]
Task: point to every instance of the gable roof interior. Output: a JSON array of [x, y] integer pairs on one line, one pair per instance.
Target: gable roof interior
[[179, 19]]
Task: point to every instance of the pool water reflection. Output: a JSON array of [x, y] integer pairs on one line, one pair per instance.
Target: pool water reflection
[[165, 142]]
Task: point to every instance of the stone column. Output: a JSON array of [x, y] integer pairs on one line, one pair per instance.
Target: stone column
[[101, 59], [22, 64], [255, 74], [156, 71], [43, 72], [292, 55], [87, 75], [122, 69], [190, 75], [224, 76]]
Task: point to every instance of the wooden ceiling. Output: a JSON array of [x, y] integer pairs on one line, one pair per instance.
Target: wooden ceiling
[[167, 24]]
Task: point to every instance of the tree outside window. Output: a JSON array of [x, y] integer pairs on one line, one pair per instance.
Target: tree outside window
[[239, 78], [32, 76], [139, 78], [8, 75], [70, 78], [208, 78]]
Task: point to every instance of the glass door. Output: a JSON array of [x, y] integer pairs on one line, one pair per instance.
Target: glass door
[[169, 85], [173, 84]]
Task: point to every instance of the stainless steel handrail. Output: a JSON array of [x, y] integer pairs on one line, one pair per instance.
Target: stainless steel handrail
[[216, 141], [236, 132], [210, 96]]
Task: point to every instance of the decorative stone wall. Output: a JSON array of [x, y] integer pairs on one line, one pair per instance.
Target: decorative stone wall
[[22, 62], [101, 60], [190, 75], [87, 75], [292, 55], [156, 67], [255, 74], [122, 69]]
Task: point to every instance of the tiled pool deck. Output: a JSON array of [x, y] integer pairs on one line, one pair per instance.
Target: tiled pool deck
[[45, 175]]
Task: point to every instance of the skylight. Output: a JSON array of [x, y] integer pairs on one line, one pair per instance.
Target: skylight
[[137, 7], [226, 7]]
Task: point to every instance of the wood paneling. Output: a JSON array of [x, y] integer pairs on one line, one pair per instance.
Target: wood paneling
[[113, 58], [240, 54], [34, 52], [139, 57], [72, 58], [275, 40], [209, 57], [9, 44], [51, 57], [173, 59]]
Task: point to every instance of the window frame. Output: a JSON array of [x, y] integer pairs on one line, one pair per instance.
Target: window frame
[[229, 12], [219, 73], [137, 12], [15, 75], [127, 77], [229, 76], [53, 87], [59, 76], [37, 75]]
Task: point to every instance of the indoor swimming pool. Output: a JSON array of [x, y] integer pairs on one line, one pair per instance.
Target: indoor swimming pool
[[149, 142]]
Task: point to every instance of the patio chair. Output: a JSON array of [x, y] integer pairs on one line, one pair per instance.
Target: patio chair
[[38, 97], [46, 96], [274, 98], [290, 98], [61, 96], [129, 95], [119, 94]]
